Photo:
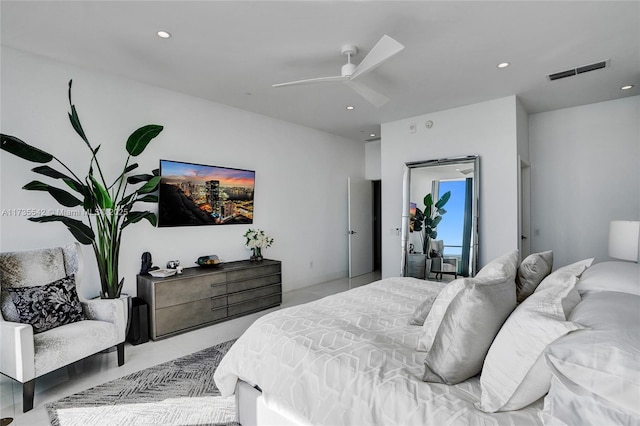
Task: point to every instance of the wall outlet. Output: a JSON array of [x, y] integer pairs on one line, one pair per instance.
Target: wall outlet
[[412, 128]]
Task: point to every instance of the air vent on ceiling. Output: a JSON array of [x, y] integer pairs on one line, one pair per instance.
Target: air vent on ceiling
[[579, 70]]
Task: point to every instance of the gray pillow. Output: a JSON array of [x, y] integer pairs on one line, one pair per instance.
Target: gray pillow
[[531, 272], [421, 312], [471, 322], [472, 317]]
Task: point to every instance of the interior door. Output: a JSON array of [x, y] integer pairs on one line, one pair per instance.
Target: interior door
[[360, 205], [524, 222]]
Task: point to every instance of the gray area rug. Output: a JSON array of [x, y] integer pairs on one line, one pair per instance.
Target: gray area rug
[[178, 392]]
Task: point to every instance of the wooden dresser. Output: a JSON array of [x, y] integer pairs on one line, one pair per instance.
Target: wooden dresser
[[203, 296]]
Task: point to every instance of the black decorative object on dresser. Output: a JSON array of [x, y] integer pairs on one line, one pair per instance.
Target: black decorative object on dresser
[[203, 296]]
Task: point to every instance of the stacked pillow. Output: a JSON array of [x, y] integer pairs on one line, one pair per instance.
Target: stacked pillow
[[514, 373], [531, 272], [595, 371], [465, 318]]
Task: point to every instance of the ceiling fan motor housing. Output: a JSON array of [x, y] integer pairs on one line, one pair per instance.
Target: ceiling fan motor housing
[[348, 69], [348, 50]]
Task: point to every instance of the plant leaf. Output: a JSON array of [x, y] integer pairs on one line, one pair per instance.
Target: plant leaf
[[126, 199], [156, 172], [102, 197], [23, 150], [139, 178], [49, 171], [148, 199], [443, 200], [76, 186], [150, 186], [80, 231], [133, 217], [139, 139], [428, 201], [75, 120], [53, 173], [60, 195], [131, 168]]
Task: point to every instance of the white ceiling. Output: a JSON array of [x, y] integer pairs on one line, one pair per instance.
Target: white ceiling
[[231, 52]]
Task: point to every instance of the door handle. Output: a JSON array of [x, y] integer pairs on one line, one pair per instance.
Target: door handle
[[352, 232]]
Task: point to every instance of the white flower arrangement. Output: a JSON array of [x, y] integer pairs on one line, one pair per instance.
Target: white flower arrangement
[[256, 238]]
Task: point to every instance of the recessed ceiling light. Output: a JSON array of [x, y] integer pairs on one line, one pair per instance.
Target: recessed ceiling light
[[503, 64], [627, 87], [163, 34], [373, 135], [351, 107]]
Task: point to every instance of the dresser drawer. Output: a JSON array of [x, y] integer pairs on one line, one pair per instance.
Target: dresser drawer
[[180, 317], [256, 271], [176, 292], [252, 283], [255, 305], [243, 296]]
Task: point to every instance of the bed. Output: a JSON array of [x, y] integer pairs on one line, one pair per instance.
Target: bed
[[355, 358]]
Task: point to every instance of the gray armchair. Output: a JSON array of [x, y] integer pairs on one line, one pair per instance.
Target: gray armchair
[[30, 351]]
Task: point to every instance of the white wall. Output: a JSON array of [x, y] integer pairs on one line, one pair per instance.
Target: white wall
[[486, 129], [585, 165], [301, 173]]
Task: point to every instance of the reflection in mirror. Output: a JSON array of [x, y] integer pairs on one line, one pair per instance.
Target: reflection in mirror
[[440, 218]]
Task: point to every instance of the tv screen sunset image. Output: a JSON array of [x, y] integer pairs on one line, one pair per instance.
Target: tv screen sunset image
[[196, 194]]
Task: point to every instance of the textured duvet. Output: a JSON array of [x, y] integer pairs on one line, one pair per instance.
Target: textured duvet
[[351, 359]]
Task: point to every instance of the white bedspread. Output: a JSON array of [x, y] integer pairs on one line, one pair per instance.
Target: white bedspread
[[351, 359]]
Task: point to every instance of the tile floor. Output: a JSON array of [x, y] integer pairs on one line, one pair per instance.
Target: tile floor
[[103, 367]]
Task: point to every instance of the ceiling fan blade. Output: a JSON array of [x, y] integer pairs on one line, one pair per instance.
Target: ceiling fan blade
[[384, 49], [373, 97], [337, 78]]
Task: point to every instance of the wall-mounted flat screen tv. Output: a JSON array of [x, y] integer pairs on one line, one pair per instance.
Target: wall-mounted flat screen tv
[[197, 194]]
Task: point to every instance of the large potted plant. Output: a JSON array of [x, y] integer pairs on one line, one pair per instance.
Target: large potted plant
[[108, 204], [426, 223]]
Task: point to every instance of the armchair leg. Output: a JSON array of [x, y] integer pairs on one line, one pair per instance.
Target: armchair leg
[[28, 389], [120, 347]]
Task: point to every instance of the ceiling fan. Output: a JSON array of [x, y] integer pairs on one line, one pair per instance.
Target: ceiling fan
[[384, 49]]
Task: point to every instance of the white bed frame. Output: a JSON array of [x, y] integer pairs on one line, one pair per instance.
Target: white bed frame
[[251, 409]]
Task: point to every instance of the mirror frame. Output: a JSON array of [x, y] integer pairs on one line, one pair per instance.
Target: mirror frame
[[406, 185]]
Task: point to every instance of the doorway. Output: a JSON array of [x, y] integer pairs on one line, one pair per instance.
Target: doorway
[[377, 225]]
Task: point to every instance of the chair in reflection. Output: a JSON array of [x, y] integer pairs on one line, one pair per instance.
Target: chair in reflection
[[441, 264]]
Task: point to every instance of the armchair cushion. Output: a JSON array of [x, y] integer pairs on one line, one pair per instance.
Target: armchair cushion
[[69, 343], [27, 269], [48, 306]]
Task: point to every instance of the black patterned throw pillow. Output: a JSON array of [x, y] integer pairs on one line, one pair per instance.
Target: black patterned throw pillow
[[48, 306]]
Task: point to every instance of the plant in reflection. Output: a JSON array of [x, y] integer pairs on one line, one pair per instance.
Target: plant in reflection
[[426, 222]]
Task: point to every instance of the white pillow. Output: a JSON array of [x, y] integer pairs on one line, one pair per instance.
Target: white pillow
[[559, 276], [502, 268], [611, 276], [514, 374], [566, 405], [531, 272]]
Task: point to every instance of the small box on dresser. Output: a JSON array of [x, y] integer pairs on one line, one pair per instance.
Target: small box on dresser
[[203, 296]]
